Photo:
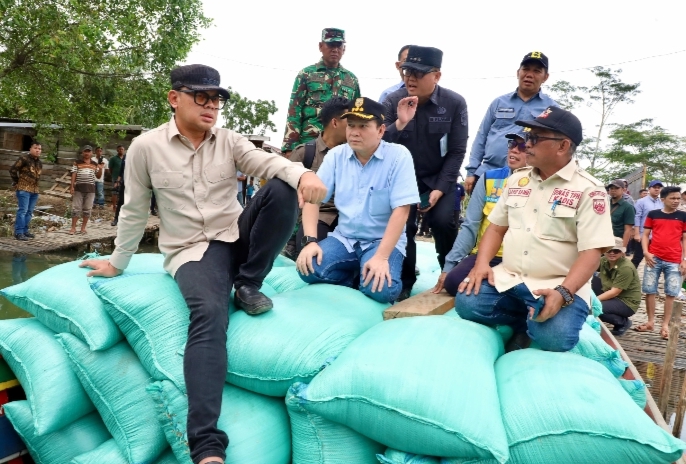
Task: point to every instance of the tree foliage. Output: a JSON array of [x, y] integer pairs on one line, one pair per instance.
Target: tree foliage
[[77, 63], [605, 96], [247, 116], [642, 143]]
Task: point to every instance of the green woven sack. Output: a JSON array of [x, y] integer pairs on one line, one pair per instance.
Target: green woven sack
[[284, 279], [636, 390], [257, 425], [392, 456], [62, 300], [422, 384], [110, 453], [115, 381], [58, 447], [55, 394], [558, 407], [320, 441], [293, 342]]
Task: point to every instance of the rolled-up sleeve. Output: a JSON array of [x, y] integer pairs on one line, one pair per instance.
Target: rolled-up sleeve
[[133, 216], [258, 163]]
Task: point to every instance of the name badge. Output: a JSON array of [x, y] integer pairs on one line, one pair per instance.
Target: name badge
[[440, 119], [566, 197], [519, 192]]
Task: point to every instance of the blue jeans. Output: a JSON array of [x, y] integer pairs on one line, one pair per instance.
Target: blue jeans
[[651, 275], [239, 197], [26, 202], [100, 193], [490, 307], [339, 267]]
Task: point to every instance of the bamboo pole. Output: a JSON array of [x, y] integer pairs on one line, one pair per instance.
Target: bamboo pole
[[670, 355], [681, 404]]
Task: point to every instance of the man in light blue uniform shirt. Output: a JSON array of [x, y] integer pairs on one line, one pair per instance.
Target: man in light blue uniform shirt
[[374, 184], [402, 56], [643, 206], [489, 150]]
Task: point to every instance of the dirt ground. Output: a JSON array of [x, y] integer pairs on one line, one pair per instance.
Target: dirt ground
[[55, 217]]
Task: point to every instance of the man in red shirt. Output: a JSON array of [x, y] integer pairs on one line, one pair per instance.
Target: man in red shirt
[[664, 253]]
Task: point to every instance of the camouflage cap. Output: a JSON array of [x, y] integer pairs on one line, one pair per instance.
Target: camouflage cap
[[86, 148], [331, 34], [365, 108]]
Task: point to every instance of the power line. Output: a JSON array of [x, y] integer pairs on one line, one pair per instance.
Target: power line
[[447, 78]]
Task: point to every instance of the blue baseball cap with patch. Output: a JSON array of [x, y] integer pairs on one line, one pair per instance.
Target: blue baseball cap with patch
[[655, 182]]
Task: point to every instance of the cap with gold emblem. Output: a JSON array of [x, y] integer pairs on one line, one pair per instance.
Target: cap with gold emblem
[[423, 59], [538, 57], [365, 108], [331, 34]]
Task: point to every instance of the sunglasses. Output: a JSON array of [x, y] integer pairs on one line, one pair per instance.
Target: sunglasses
[[512, 144], [613, 252], [407, 72], [202, 98], [534, 138]]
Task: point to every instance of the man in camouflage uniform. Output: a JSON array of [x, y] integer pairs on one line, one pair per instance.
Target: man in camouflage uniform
[[314, 85]]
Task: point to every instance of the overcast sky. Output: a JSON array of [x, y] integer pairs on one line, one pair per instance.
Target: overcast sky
[[259, 50]]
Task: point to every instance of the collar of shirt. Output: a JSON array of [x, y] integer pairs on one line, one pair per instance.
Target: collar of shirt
[[435, 95], [515, 94], [621, 201], [565, 173], [173, 131], [322, 67], [378, 153], [321, 146]]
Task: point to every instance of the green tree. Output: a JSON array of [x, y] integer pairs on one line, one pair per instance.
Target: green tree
[[78, 63], [604, 97], [642, 143], [247, 116]]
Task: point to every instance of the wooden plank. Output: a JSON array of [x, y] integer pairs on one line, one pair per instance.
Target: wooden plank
[[670, 355], [424, 304]]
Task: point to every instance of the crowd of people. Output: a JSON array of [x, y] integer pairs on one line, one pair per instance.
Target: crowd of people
[[355, 176]]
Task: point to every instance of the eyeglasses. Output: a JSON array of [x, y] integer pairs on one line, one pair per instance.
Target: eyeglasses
[[407, 72], [202, 98], [534, 138], [613, 252], [512, 144]]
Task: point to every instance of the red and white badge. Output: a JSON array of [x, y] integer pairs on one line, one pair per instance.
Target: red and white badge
[[566, 197], [518, 192], [599, 205], [597, 193]]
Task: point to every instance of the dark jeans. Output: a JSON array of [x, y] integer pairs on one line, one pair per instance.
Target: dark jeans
[[120, 201], [462, 270], [443, 228], [323, 230], [615, 311], [153, 203], [264, 227], [638, 254]]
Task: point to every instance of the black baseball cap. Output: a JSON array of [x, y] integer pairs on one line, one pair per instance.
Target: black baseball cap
[[197, 77], [423, 59], [365, 108], [558, 120], [536, 56]]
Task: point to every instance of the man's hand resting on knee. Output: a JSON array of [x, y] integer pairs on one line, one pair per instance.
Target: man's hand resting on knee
[[304, 262], [375, 271], [101, 268], [310, 189], [476, 276]]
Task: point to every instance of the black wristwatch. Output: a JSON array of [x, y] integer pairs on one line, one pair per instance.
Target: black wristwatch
[[566, 295], [307, 239]]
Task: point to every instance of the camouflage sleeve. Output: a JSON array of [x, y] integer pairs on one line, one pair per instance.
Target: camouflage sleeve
[[14, 170], [294, 119], [358, 93]]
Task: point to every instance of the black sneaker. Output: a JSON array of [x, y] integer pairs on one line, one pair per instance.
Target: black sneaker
[[404, 295], [153, 212], [113, 223], [21, 237], [519, 341], [621, 330], [251, 300], [29, 235]]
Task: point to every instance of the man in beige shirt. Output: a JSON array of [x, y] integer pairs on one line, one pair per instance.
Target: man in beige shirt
[[210, 243], [332, 136], [554, 223]]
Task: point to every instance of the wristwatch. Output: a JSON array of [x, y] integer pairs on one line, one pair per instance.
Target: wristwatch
[[307, 239], [566, 295]]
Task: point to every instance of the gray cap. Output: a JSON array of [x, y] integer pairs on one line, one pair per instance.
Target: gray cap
[[86, 148]]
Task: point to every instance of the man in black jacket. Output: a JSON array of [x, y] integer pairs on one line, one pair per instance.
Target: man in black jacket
[[431, 121]]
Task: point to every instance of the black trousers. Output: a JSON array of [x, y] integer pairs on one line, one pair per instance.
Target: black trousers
[[462, 270], [120, 201], [638, 253], [264, 227], [441, 220], [615, 311], [323, 230]]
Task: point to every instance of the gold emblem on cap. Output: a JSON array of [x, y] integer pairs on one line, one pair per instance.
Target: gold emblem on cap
[[536, 55], [359, 102], [524, 181]]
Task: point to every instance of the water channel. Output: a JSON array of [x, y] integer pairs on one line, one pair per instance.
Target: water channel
[[16, 268]]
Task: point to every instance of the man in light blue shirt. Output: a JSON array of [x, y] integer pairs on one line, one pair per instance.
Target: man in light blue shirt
[[374, 184], [402, 56], [489, 150], [643, 206]]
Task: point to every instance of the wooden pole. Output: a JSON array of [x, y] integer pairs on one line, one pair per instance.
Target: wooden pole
[[681, 405], [670, 355]]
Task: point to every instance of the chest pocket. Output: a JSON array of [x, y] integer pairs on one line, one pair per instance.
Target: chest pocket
[[380, 203], [504, 117], [218, 177], [515, 211], [219, 172], [317, 89], [168, 186], [559, 225]]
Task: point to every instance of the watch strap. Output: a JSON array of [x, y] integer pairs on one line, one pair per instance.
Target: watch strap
[[566, 295]]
